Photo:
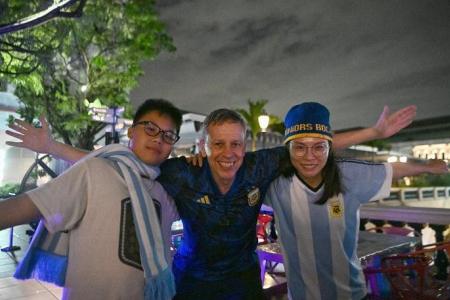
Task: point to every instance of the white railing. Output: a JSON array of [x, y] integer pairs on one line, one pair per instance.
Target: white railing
[[412, 205], [408, 214], [409, 196]]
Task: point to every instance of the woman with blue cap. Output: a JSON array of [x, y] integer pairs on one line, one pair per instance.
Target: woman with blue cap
[[317, 201]]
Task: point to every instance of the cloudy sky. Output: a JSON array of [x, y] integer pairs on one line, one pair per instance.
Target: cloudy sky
[[353, 56]]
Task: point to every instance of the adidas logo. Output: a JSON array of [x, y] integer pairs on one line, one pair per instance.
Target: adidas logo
[[203, 200]]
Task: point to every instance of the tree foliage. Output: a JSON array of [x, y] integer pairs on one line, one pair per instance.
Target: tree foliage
[[255, 109], [57, 65], [22, 51], [425, 180], [9, 189], [379, 144]]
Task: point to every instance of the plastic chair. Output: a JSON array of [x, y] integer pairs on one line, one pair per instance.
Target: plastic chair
[[269, 257], [408, 277], [440, 255], [261, 228], [411, 276], [424, 249]]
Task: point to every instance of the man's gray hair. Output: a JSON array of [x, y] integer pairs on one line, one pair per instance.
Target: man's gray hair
[[220, 116]]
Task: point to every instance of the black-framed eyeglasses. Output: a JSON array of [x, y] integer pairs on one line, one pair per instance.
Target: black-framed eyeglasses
[[152, 129]]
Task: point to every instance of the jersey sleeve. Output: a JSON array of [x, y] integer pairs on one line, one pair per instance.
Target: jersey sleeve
[[267, 162], [268, 197], [174, 173], [172, 212], [367, 181], [271, 194], [62, 201]]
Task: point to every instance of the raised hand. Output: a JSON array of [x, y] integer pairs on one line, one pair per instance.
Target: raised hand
[[389, 124], [432, 166], [197, 159], [437, 166], [30, 137]]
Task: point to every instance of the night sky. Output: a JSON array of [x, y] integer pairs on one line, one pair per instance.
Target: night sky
[[353, 56]]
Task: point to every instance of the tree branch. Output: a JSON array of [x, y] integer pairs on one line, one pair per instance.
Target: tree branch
[[16, 48], [44, 16], [77, 13]]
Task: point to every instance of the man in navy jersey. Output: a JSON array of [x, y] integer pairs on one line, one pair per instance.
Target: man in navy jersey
[[219, 205]]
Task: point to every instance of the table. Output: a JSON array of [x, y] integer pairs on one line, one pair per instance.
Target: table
[[370, 245]]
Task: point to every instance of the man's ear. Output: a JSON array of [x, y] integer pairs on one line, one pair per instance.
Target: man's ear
[[130, 133], [202, 147]]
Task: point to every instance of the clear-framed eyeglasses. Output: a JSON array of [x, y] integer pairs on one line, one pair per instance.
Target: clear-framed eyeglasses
[[300, 150], [152, 129]]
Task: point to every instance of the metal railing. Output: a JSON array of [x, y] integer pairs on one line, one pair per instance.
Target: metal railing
[[406, 214]]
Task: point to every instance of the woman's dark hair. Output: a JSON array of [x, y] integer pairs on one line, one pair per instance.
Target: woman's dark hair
[[162, 106], [330, 174]]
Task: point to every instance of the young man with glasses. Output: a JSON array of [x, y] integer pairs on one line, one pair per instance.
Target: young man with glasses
[[219, 202], [114, 251]]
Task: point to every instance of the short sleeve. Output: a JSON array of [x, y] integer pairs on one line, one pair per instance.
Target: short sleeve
[[366, 181], [167, 202], [174, 172], [63, 200], [269, 195], [266, 163]]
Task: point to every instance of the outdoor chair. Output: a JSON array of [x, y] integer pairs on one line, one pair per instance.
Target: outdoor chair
[[269, 257], [413, 275], [261, 228]]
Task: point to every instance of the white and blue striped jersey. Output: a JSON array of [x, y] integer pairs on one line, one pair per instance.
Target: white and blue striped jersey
[[319, 241]]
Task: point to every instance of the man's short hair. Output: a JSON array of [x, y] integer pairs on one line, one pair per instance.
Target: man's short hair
[[162, 106], [220, 116]]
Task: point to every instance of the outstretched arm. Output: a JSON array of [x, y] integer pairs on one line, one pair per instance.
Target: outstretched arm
[[386, 126], [40, 140], [18, 210], [432, 166]]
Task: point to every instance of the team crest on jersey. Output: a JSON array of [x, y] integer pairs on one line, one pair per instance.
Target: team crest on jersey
[[335, 208], [253, 197]]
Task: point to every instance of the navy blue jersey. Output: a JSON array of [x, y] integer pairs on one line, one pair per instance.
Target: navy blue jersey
[[219, 230]]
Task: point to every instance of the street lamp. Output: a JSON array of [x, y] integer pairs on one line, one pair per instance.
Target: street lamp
[[263, 121]]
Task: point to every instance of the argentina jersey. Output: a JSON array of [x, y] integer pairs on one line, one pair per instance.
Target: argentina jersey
[[219, 230], [319, 241]]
